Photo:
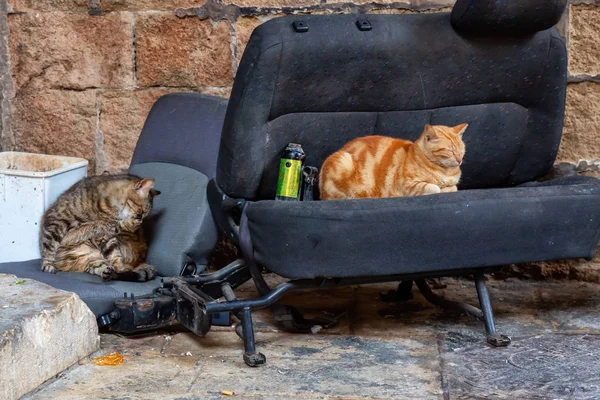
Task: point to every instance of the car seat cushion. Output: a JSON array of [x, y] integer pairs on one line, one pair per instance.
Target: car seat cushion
[[180, 228], [98, 295], [549, 220]]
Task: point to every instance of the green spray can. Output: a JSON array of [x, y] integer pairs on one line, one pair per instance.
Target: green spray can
[[290, 173]]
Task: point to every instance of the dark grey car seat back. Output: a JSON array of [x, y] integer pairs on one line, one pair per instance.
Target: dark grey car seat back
[[178, 148], [183, 129], [335, 82]]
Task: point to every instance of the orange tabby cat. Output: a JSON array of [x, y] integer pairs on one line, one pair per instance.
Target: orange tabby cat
[[380, 166]]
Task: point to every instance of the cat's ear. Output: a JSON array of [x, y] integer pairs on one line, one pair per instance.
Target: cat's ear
[[430, 133], [460, 129], [144, 186]]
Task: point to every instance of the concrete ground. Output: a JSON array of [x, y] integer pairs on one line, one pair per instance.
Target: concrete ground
[[410, 350]]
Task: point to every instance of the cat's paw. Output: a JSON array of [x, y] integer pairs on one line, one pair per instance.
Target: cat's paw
[[449, 189], [47, 267], [430, 188], [146, 272], [106, 272]]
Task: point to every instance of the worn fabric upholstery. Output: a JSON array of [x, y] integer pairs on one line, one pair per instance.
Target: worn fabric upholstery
[[333, 83], [180, 229], [491, 64], [183, 129], [178, 148], [424, 234], [506, 17]]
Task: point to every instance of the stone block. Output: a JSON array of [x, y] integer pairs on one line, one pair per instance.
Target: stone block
[[43, 331], [71, 51], [579, 270], [182, 52], [56, 122], [105, 5], [219, 91], [148, 5], [49, 5], [581, 131], [432, 3], [122, 117], [243, 30], [584, 39]]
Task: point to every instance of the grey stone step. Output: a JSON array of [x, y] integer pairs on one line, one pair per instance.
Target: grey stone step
[[43, 331]]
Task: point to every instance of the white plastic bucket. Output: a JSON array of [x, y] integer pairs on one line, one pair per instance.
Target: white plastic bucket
[[29, 184]]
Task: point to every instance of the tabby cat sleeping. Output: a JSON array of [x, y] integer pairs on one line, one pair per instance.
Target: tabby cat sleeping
[[380, 166], [96, 227]]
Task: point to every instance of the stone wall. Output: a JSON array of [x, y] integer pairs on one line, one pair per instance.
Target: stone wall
[[82, 75], [78, 77]]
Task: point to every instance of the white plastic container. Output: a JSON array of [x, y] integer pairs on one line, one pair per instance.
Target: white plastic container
[[29, 184]]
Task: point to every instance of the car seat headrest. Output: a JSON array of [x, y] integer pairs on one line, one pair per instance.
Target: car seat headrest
[[506, 16]]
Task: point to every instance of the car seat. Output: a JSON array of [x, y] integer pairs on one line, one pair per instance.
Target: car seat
[[323, 80], [177, 147]]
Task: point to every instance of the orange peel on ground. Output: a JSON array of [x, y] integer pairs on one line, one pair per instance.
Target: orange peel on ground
[[109, 359]]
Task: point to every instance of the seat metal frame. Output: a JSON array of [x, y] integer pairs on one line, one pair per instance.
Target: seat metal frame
[[198, 301]]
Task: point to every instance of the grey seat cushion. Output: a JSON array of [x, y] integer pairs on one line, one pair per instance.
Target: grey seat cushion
[[98, 295], [437, 234], [180, 228]]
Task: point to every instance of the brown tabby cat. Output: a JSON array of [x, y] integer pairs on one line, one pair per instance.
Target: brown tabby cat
[[380, 166], [96, 227]]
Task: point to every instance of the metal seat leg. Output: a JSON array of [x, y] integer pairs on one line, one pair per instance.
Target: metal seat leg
[[485, 314], [251, 357], [493, 338]]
